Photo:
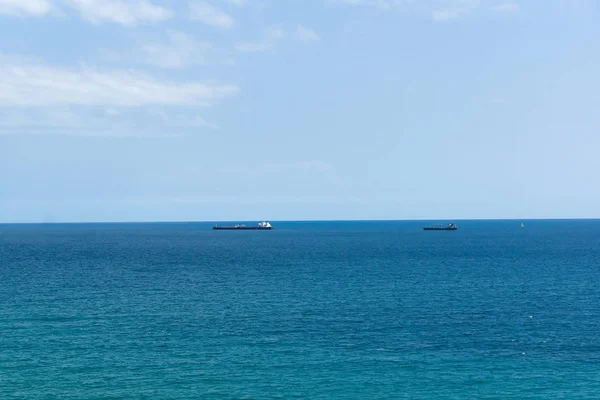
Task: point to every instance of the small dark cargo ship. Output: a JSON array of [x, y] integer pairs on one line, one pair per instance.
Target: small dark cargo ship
[[449, 227], [260, 227]]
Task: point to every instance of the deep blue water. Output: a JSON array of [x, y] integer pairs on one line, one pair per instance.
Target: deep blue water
[[319, 310]]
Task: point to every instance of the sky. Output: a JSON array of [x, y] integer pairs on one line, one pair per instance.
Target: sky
[[247, 110]]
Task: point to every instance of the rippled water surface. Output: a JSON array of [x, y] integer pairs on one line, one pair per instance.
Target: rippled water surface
[[313, 310]]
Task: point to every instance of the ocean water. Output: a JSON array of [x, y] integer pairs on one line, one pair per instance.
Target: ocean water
[[311, 310]]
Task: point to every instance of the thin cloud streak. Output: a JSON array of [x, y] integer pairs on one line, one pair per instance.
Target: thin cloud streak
[[306, 35], [130, 12], [96, 121], [46, 85], [179, 50], [25, 7], [440, 10], [210, 15], [506, 8]]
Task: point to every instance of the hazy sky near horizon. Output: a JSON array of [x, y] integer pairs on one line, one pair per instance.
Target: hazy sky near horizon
[[145, 110]]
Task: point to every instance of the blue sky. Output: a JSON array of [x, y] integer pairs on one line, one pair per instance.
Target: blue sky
[[146, 110]]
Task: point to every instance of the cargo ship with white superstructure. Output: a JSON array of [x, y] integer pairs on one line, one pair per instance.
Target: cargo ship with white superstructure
[[265, 225]]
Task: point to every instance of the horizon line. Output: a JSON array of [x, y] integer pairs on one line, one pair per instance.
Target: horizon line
[[295, 220]]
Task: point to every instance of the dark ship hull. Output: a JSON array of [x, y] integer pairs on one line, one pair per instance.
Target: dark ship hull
[[262, 226], [440, 227]]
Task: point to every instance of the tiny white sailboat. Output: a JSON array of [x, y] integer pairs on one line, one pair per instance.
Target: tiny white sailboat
[[522, 225]]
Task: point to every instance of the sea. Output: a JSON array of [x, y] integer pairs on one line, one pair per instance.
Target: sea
[[310, 310]]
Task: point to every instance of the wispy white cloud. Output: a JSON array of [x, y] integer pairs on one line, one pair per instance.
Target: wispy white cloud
[[381, 4], [98, 121], [181, 119], [446, 15], [272, 36], [453, 9], [33, 84], [306, 35], [25, 7], [210, 15], [238, 3], [125, 12], [179, 50], [506, 7], [38, 98], [441, 10]]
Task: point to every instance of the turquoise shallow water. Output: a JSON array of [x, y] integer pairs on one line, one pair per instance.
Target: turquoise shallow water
[[312, 310]]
